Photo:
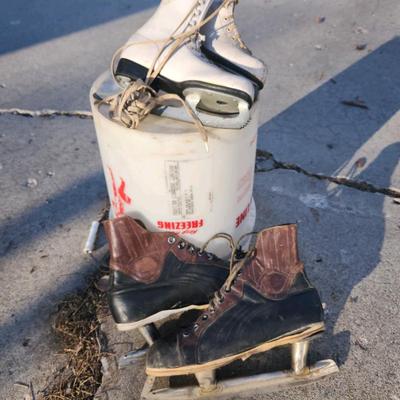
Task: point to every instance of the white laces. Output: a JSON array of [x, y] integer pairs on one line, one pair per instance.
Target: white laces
[[231, 26]]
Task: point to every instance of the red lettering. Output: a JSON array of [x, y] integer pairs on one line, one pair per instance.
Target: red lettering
[[189, 227], [242, 216]]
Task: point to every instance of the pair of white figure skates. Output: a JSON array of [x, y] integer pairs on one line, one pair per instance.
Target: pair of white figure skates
[[192, 48]]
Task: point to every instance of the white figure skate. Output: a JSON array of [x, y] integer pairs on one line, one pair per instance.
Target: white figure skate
[[224, 46], [167, 48]]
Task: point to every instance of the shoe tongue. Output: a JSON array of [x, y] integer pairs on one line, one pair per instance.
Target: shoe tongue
[[277, 246], [275, 265]]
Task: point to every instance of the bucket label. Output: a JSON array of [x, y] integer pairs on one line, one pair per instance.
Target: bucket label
[[245, 185], [182, 177], [183, 227], [240, 218]]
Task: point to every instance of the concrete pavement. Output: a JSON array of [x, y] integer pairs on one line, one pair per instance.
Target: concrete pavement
[[50, 54]]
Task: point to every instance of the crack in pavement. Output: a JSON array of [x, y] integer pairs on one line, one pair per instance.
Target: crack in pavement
[[46, 113], [263, 155]]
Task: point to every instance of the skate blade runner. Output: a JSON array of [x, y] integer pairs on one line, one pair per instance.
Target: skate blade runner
[[188, 62]]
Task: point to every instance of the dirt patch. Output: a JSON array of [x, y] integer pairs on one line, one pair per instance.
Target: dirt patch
[[77, 326]]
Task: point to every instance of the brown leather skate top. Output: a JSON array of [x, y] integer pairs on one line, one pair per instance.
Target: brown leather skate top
[[276, 263], [140, 253]]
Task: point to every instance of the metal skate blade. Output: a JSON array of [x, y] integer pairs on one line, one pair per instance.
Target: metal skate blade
[[243, 386], [213, 102], [134, 357], [213, 109]]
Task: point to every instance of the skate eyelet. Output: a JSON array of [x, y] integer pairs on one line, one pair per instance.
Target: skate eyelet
[[186, 334], [192, 250], [212, 311], [204, 317], [221, 300], [227, 290], [200, 253], [181, 245], [239, 273], [195, 327], [210, 257], [171, 240]]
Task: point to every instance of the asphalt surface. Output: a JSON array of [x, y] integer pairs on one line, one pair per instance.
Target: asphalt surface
[[51, 52]]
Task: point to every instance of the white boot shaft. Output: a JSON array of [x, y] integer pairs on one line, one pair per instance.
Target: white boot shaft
[[173, 17], [224, 41]]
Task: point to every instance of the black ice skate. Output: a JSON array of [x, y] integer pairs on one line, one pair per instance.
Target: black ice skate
[[266, 302], [157, 274]]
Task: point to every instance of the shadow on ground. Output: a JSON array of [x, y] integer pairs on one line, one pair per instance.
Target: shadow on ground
[[375, 79], [57, 210], [28, 23]]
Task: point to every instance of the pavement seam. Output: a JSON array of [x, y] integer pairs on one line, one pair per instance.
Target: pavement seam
[[363, 186], [261, 154], [46, 113]]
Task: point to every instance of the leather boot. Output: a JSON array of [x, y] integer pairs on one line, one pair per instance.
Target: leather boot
[[157, 274], [266, 302]]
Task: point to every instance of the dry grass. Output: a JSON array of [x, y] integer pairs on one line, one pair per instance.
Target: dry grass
[[77, 325]]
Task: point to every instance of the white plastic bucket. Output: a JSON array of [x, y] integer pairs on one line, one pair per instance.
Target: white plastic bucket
[[162, 174]]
